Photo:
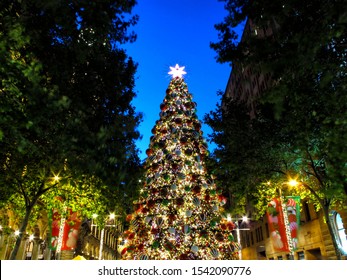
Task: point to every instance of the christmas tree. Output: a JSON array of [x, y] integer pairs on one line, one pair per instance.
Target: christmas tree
[[179, 213]]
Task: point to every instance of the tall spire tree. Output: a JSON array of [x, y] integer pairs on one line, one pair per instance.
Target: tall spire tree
[[179, 214]]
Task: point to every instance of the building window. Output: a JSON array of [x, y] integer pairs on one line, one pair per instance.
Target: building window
[[301, 255], [307, 212], [259, 234], [339, 230]]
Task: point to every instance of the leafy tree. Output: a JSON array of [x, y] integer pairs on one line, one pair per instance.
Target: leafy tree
[[66, 94], [249, 152], [302, 45]]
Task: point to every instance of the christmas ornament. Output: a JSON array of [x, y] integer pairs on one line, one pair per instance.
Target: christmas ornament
[[194, 249]]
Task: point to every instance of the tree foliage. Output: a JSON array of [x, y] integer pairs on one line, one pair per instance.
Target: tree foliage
[[306, 55], [302, 44], [66, 93]]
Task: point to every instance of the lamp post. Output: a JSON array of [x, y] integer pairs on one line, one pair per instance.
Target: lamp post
[[112, 217], [238, 236]]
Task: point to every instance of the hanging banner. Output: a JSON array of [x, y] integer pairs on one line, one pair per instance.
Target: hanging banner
[[56, 217], [293, 212], [71, 229], [277, 226]]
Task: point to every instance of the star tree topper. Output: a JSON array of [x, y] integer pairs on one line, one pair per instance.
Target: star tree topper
[[177, 71]]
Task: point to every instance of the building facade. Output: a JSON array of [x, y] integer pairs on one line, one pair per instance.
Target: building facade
[[92, 241], [314, 240]]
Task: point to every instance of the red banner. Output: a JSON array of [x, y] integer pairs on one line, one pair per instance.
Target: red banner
[[277, 226], [71, 228], [56, 217]]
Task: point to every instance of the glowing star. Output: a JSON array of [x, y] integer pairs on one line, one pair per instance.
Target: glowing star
[[177, 71]]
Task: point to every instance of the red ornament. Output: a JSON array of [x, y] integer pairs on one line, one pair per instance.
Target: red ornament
[[172, 217], [163, 107], [149, 152], [163, 131], [138, 208], [155, 166], [196, 189], [223, 226], [131, 236], [142, 233], [222, 199], [219, 237], [150, 203], [126, 234], [178, 121], [197, 126], [179, 201], [230, 226], [124, 251], [184, 257], [194, 177], [129, 218]]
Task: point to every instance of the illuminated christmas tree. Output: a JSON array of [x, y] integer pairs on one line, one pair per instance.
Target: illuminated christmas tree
[[179, 212]]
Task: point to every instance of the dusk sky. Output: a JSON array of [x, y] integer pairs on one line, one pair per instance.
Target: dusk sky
[[170, 33]]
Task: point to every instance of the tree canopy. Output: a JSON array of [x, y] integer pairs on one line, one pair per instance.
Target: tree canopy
[[303, 47], [300, 119], [66, 93]]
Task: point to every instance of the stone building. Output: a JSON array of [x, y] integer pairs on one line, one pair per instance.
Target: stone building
[[314, 240], [93, 242]]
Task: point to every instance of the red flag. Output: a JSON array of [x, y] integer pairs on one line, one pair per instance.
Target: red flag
[[71, 229], [277, 226], [56, 217]]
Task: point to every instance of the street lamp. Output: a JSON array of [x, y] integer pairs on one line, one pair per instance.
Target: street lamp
[[111, 218], [238, 236]]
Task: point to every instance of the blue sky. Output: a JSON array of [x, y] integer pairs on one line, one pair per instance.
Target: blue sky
[[171, 32]]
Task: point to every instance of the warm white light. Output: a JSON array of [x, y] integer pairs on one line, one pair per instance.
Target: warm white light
[[177, 71], [94, 216], [31, 237], [244, 219], [229, 218], [16, 233], [56, 178], [293, 183], [112, 216]]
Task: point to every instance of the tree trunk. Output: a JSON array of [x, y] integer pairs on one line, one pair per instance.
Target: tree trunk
[[22, 230], [331, 231]]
